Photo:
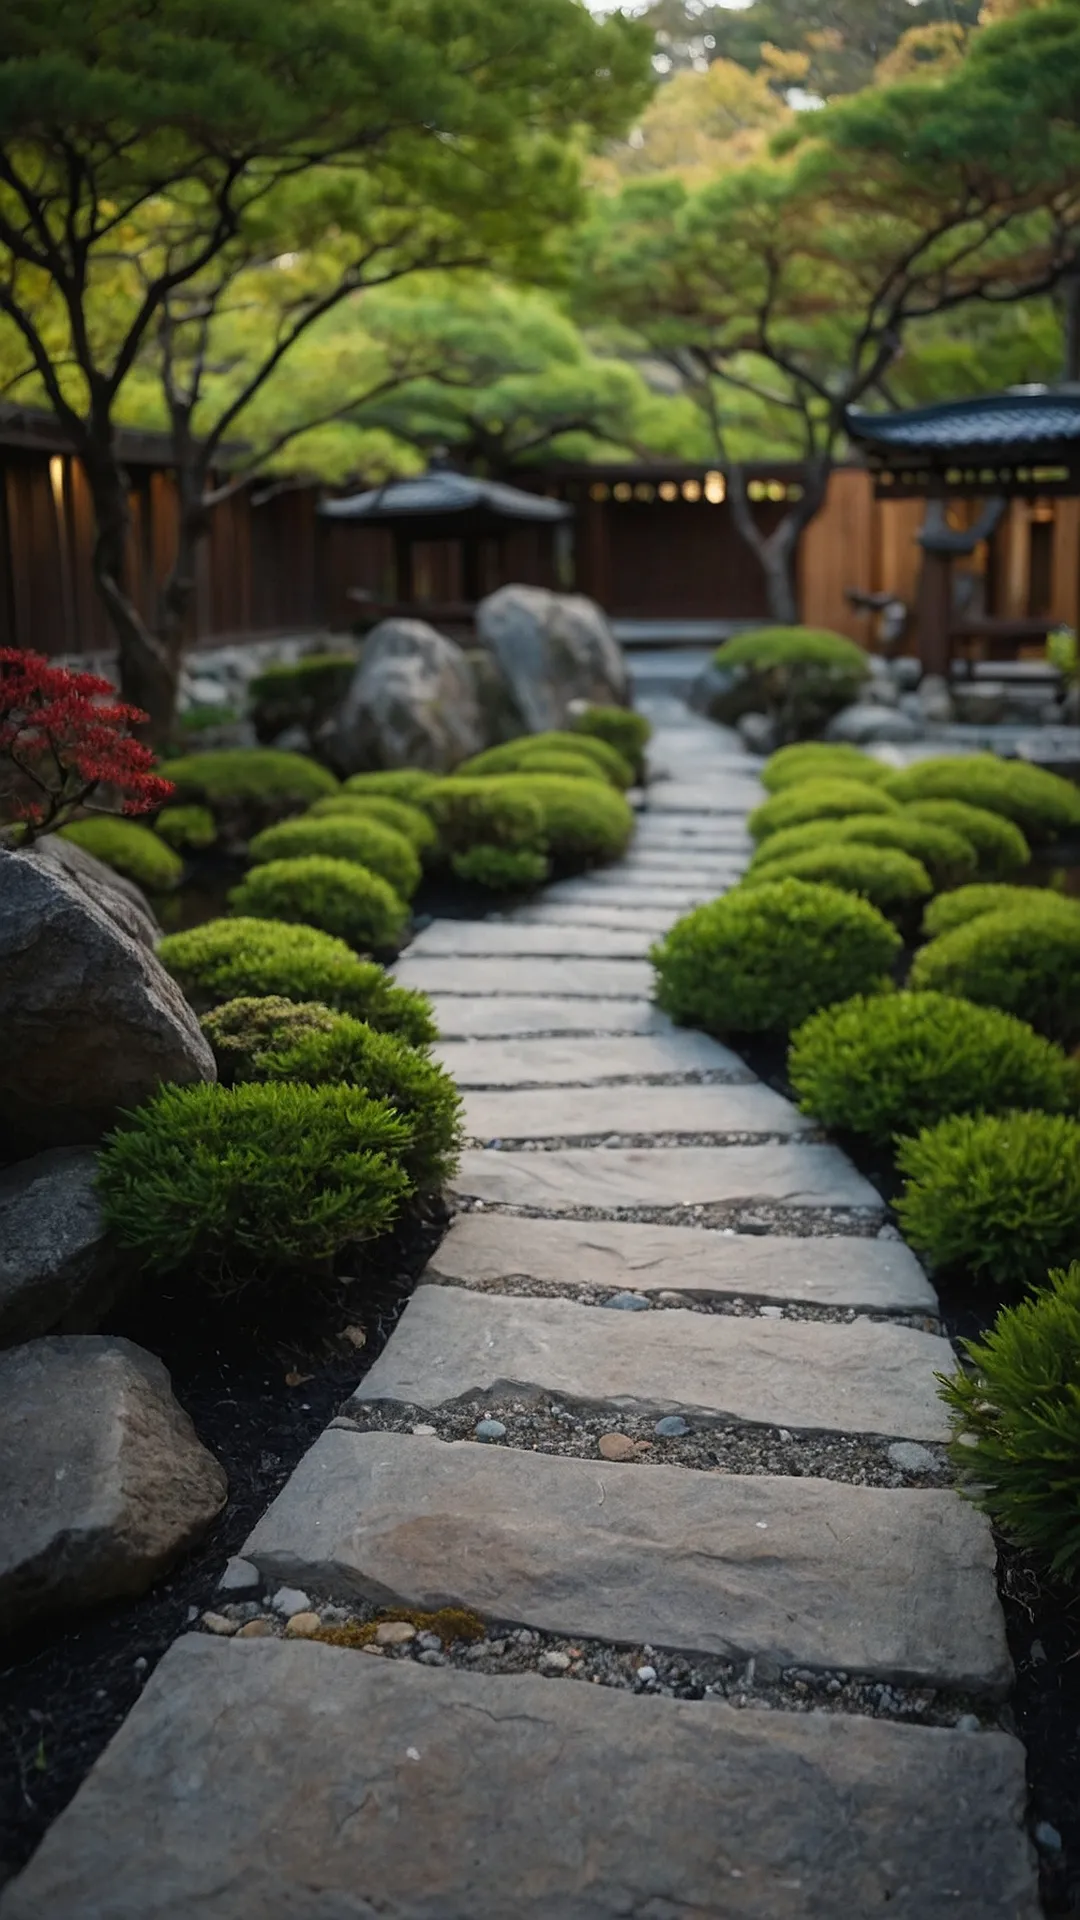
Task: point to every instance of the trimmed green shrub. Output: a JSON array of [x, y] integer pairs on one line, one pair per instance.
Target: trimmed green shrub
[[224, 959], [967, 903], [1024, 960], [186, 828], [508, 757], [1016, 1422], [247, 788], [947, 857], [820, 760], [817, 800], [768, 957], [1041, 804], [275, 1040], [411, 822], [337, 896], [1000, 847], [130, 849], [401, 783], [575, 766], [504, 869], [997, 1195], [369, 843], [799, 676], [889, 879], [584, 822], [234, 1185], [886, 1066], [487, 813], [300, 694], [620, 727]]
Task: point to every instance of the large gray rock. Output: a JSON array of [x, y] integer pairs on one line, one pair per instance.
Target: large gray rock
[[552, 649], [277, 1780], [121, 899], [867, 722], [814, 1376], [56, 1266], [412, 703], [92, 1023], [802, 1572], [105, 1480]]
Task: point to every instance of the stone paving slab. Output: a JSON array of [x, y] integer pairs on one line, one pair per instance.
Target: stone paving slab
[[730, 795], [569, 1062], [683, 832], [279, 1780], [461, 1017], [895, 1585], [690, 863], [713, 880], [617, 891], [494, 937], [579, 979], [621, 1179], [554, 1113], [646, 922], [826, 1271], [821, 1376]]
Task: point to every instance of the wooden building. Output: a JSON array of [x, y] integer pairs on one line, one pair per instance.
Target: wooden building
[[651, 542]]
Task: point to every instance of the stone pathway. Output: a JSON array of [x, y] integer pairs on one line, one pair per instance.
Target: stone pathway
[[705, 1370]]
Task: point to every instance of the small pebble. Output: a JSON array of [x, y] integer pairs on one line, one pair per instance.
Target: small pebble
[[255, 1630], [647, 1675], [969, 1723], [1047, 1837], [671, 1427], [240, 1576], [290, 1600], [431, 1658], [428, 1433], [617, 1446], [554, 1662], [628, 1302], [490, 1430], [394, 1633], [770, 1313], [301, 1626], [217, 1623], [192, 1614], [908, 1457], [429, 1642]]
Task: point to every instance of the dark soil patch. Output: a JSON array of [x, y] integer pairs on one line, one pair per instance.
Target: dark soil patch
[[259, 1396]]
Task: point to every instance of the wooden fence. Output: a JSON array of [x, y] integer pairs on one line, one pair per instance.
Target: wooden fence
[[653, 543]]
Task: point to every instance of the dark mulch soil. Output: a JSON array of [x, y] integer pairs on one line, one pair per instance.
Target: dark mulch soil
[[259, 1400]]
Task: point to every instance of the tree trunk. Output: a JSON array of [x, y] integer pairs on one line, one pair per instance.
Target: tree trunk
[[1069, 301], [146, 678], [777, 552]]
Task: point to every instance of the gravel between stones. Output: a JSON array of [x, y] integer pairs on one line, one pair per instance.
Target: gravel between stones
[[805, 1222], [754, 1684], [732, 1305], [567, 1142], [549, 1427]]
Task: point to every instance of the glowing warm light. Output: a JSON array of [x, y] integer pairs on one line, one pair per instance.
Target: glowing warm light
[[668, 490], [56, 480], [623, 490], [715, 488], [691, 490]]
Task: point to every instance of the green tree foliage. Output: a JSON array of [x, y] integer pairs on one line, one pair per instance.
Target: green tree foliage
[[840, 42], [145, 158]]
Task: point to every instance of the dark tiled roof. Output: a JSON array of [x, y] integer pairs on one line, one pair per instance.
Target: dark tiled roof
[[437, 494], [999, 422]]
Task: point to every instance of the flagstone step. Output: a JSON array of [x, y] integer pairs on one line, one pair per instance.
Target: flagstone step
[[732, 795], [554, 1113], [807, 1375], [569, 1062], [648, 922], [619, 890], [280, 1780], [827, 1271], [464, 1016], [627, 1179], [896, 1586], [581, 979], [690, 865], [489, 938]]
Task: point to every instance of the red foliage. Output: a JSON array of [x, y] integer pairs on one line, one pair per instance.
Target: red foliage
[[63, 735]]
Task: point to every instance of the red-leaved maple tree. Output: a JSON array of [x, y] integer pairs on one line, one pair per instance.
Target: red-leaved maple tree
[[64, 738]]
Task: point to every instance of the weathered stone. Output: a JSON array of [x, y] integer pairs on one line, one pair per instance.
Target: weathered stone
[[500, 716], [735, 794], [57, 1269], [554, 1113], [121, 899], [279, 1780], [459, 1017], [646, 921], [511, 1063], [616, 889], [881, 1275], [491, 938], [868, 722], [552, 649], [808, 1573], [91, 1021], [618, 1179], [412, 703], [811, 1375], [105, 1480], [577, 979]]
